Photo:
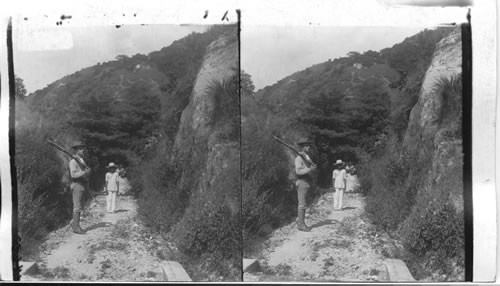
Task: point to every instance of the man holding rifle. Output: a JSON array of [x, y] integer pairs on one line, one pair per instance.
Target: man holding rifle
[[79, 172], [304, 169]]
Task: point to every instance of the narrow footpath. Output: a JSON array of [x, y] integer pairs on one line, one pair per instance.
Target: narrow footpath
[[116, 247], [342, 246]]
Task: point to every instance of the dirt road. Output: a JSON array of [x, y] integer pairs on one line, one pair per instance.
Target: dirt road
[[115, 248], [342, 246]]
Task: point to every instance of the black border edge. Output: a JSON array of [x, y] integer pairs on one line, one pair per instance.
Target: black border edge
[[13, 175], [242, 241], [467, 146]]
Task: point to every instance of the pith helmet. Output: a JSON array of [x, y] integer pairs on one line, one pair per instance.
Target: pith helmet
[[339, 162], [111, 165], [305, 141], [77, 144]]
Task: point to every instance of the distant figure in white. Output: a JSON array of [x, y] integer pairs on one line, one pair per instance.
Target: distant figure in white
[[123, 181], [111, 187], [339, 183], [352, 180]]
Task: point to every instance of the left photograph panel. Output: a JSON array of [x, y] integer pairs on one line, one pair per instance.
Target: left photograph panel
[[127, 151]]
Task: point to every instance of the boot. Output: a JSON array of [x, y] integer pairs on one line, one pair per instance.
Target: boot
[[76, 224], [301, 225]]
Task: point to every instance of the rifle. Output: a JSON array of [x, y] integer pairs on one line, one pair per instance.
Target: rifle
[[60, 148], [78, 160], [307, 161]]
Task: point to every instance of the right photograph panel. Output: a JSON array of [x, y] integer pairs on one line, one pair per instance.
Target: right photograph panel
[[352, 161]]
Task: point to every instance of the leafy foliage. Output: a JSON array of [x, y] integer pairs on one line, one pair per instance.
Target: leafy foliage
[[268, 196], [414, 52], [210, 230], [128, 111], [344, 128], [426, 213], [42, 203], [20, 88], [228, 106], [247, 86], [357, 108], [202, 217]]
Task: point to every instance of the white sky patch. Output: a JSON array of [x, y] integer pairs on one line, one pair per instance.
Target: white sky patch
[[269, 53], [39, 61]]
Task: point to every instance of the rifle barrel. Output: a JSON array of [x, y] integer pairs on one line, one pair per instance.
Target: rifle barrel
[[82, 165], [289, 146]]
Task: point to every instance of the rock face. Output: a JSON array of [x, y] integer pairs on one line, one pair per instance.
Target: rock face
[[425, 117], [199, 123], [434, 128], [220, 63]]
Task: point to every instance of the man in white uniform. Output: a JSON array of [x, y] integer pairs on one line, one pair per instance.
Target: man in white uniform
[[112, 187], [339, 182]]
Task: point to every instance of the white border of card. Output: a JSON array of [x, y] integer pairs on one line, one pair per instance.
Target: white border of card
[[298, 12]]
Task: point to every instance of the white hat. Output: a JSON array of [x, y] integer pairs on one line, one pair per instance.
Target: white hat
[[339, 162], [111, 165]]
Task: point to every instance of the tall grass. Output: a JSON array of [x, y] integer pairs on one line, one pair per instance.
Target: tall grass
[[42, 205], [416, 193], [191, 193]]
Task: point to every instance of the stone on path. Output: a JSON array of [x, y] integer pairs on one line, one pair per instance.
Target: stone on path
[[250, 265], [397, 271], [27, 267], [173, 271]]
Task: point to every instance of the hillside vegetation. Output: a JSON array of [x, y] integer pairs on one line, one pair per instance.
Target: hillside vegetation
[[368, 108], [135, 111]]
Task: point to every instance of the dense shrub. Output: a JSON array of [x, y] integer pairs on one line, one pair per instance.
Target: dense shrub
[[209, 233], [41, 204], [450, 90], [160, 202], [191, 192], [434, 226], [267, 196], [414, 51], [416, 192], [227, 105], [388, 199]]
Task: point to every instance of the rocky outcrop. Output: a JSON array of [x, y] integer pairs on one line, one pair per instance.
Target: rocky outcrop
[[220, 63], [433, 138], [199, 124], [425, 117]]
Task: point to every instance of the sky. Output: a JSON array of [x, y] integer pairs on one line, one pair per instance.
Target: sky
[[270, 53], [90, 45]]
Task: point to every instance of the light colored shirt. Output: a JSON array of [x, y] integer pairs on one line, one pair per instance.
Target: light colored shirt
[[339, 177], [112, 181], [300, 166], [75, 170]]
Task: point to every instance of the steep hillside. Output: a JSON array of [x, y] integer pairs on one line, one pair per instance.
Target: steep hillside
[[340, 75], [122, 107], [396, 115], [347, 103], [191, 189], [144, 112], [434, 140], [414, 184]]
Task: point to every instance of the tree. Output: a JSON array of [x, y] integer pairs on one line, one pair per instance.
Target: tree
[[246, 84], [353, 54], [20, 88]]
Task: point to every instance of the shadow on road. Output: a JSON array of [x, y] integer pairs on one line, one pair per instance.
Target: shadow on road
[[325, 222], [98, 225], [348, 208], [121, 211]]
